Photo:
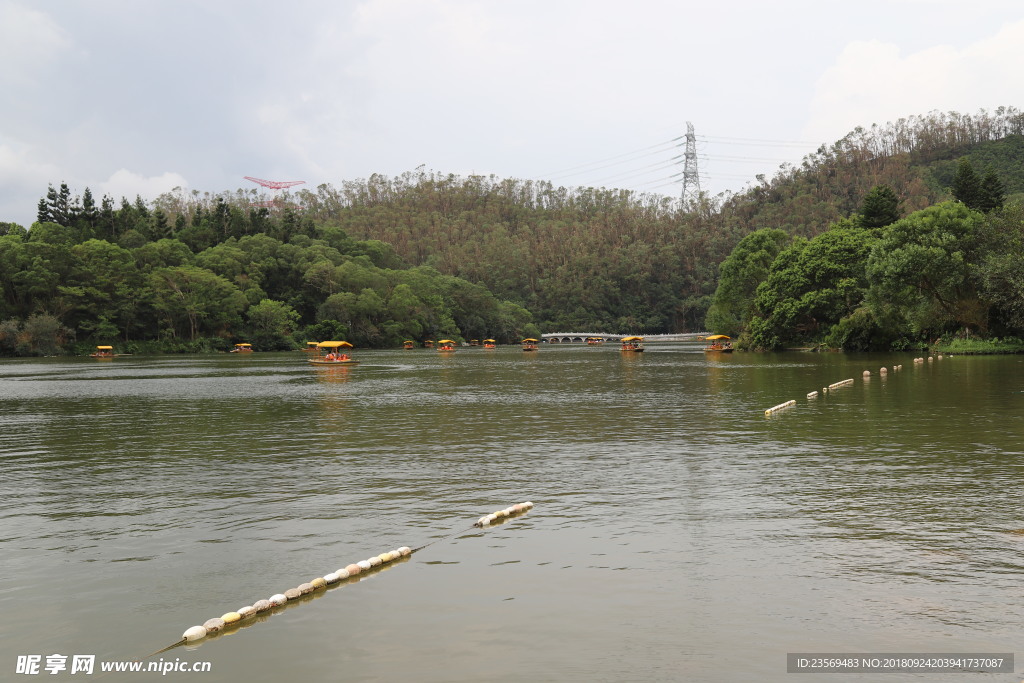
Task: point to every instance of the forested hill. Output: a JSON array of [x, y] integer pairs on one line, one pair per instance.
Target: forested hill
[[580, 258], [916, 156], [617, 260], [577, 259]]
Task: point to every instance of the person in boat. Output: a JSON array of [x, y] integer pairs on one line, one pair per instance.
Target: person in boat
[[329, 356], [343, 356]]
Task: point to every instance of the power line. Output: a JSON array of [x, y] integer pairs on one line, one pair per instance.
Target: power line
[[668, 144], [780, 143], [647, 170]]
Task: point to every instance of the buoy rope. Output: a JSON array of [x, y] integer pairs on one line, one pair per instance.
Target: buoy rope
[[212, 626], [438, 540]]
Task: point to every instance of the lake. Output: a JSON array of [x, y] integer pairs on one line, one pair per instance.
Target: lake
[[678, 532]]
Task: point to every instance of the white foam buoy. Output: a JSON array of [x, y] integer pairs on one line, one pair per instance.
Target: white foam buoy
[[813, 394], [262, 605], [278, 599], [246, 612], [364, 564], [779, 407], [194, 633], [292, 593]]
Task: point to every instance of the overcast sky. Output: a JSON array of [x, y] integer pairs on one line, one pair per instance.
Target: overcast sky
[[135, 98]]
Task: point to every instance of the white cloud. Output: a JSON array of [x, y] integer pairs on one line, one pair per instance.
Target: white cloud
[[125, 183], [873, 82]]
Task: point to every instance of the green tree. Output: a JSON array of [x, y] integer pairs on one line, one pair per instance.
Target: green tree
[[881, 207], [272, 323], [991, 193], [966, 185], [812, 286], [743, 270], [104, 290], [923, 271], [12, 229], [196, 301], [44, 335], [1001, 268], [162, 254]]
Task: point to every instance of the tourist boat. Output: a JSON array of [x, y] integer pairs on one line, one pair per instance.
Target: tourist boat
[[310, 347], [595, 341], [633, 344], [241, 348], [103, 352], [408, 344], [718, 343], [490, 344], [474, 342], [446, 345], [529, 344], [332, 353], [428, 344]]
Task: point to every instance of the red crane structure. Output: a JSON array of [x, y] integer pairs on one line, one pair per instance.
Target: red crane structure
[[273, 185]]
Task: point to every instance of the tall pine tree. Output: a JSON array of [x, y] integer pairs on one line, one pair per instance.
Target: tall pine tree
[[992, 193], [966, 185], [881, 207]]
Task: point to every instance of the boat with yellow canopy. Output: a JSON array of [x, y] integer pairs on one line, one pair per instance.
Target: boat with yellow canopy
[[310, 347], [632, 344], [446, 345], [408, 344], [490, 344], [333, 353], [242, 348], [718, 343], [428, 344], [595, 341], [529, 344], [103, 352]]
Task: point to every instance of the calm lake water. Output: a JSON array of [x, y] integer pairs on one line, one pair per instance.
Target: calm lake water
[[678, 533]]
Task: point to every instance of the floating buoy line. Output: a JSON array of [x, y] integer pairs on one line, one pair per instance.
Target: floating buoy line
[[351, 573], [883, 372]]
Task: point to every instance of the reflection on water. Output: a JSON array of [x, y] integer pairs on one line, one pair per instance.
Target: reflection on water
[[678, 533]]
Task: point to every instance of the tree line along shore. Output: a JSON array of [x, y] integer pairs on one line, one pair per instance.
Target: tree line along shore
[[894, 237]]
